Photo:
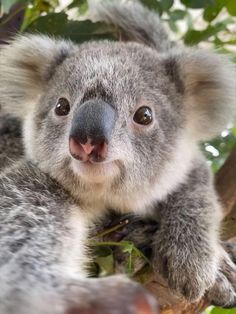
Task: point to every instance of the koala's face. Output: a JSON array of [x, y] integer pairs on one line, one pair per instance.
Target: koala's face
[[118, 116], [110, 113]]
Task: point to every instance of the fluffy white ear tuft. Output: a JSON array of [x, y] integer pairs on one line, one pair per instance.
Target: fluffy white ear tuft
[[26, 65], [209, 91]]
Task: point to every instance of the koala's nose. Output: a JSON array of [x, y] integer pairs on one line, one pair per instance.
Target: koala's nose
[[87, 151], [88, 147], [91, 130]]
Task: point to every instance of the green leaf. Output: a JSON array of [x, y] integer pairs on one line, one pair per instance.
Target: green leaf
[[101, 251], [76, 4], [31, 14], [103, 258], [234, 131], [230, 42], [52, 24], [208, 310], [130, 265], [197, 4], [177, 15], [82, 6], [231, 7], [43, 6], [217, 310], [106, 264], [210, 13], [166, 4], [193, 37], [173, 26], [80, 31], [57, 24], [128, 248], [153, 5]]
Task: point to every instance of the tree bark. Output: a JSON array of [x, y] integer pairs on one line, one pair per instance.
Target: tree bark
[[226, 187]]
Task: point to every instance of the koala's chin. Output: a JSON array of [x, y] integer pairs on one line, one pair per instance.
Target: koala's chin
[[95, 172]]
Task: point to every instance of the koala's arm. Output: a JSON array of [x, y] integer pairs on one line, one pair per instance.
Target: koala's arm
[[187, 248], [33, 230], [43, 253]]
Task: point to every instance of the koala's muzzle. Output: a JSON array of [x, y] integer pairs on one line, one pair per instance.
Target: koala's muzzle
[[91, 129]]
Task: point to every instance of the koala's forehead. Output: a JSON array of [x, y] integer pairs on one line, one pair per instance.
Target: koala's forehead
[[114, 66]]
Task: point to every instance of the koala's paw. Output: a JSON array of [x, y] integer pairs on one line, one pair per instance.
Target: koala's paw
[[188, 278], [223, 292], [114, 295]]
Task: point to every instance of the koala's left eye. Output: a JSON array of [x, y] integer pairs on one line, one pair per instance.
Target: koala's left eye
[[62, 107], [143, 116]]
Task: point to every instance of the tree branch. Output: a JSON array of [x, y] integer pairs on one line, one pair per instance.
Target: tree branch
[[226, 187]]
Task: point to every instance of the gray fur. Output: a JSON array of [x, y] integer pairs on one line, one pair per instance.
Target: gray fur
[[11, 146], [156, 170], [129, 17], [188, 234], [36, 240]]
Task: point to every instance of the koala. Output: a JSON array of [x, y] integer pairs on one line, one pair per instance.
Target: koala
[[111, 125], [11, 148]]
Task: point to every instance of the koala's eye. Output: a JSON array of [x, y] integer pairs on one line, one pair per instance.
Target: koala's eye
[[62, 107], [143, 116]]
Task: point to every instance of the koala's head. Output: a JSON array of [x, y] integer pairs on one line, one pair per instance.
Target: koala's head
[[120, 116]]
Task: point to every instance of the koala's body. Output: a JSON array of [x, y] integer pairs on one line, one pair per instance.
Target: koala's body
[[111, 125]]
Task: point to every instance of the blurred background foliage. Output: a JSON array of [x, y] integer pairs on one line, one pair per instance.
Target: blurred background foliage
[[206, 23]]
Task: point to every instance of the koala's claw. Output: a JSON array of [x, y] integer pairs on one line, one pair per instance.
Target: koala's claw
[[188, 279], [223, 293], [191, 290]]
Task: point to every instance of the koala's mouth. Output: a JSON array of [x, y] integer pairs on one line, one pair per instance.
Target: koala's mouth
[[95, 171]]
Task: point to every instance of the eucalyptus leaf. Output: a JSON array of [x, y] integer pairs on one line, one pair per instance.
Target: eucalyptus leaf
[[234, 131], [210, 13], [231, 7], [166, 4], [103, 261], [75, 4], [197, 4], [57, 24], [101, 251], [217, 310], [177, 15], [153, 5], [193, 37], [52, 24], [173, 26], [82, 6], [130, 265], [80, 31], [31, 14], [106, 265]]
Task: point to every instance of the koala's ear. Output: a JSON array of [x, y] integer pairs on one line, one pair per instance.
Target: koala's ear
[[208, 84], [26, 66]]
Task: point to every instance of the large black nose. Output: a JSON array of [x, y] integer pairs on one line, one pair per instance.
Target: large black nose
[[91, 130]]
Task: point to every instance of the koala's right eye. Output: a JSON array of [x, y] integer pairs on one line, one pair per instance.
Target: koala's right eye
[[62, 107]]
